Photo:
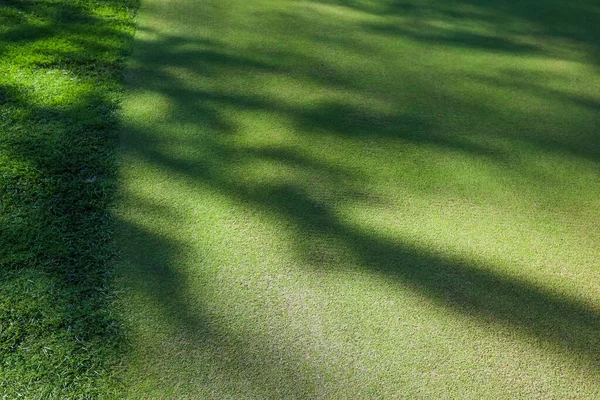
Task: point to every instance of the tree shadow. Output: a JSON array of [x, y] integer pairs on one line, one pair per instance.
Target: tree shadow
[[524, 27], [65, 230], [473, 289], [62, 34], [568, 325], [244, 363], [584, 143], [61, 64], [448, 37]]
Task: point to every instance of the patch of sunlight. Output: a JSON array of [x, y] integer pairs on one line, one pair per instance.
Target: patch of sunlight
[[110, 13], [335, 10], [288, 90], [146, 108], [263, 128], [53, 87], [268, 173], [502, 235], [559, 69]]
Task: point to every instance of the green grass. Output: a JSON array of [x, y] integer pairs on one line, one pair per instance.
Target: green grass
[[61, 69], [317, 199], [362, 199]]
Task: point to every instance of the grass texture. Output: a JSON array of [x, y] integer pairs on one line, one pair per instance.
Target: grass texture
[[60, 83], [362, 199]]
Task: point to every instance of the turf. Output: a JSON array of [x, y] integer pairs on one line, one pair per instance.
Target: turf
[[318, 199], [362, 199], [61, 69]]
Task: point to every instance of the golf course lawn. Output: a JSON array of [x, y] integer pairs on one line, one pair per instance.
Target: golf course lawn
[[362, 199], [300, 199]]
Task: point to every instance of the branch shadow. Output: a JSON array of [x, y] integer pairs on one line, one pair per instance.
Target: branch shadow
[[523, 27], [186, 73], [568, 325], [240, 362]]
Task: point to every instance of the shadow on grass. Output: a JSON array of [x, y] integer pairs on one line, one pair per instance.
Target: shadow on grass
[[238, 363], [568, 325], [473, 289], [58, 182], [61, 69], [542, 20]]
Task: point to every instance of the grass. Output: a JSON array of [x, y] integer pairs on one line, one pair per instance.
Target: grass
[[316, 199], [61, 66], [362, 199]]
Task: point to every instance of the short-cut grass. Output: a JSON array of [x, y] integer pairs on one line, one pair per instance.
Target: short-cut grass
[[362, 199], [317, 199], [61, 69]]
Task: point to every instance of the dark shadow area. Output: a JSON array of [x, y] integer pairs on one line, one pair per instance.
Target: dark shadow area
[[583, 144], [578, 22], [446, 37]]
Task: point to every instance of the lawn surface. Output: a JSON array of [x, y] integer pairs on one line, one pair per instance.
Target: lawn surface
[[363, 199], [317, 199], [60, 83]]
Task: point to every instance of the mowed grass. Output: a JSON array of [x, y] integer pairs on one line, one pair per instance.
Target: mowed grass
[[362, 199], [60, 83]]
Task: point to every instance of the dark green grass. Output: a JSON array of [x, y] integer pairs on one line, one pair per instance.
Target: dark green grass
[[363, 199], [60, 73]]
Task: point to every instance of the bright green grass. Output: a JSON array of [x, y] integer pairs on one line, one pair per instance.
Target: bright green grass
[[362, 199], [60, 81]]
